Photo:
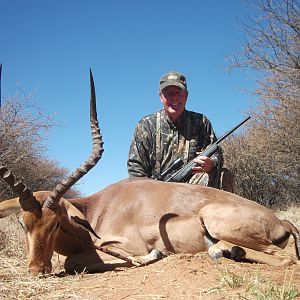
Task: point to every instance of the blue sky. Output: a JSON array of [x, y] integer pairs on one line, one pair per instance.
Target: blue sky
[[47, 48]]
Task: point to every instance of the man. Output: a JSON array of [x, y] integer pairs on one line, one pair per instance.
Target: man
[[173, 132]]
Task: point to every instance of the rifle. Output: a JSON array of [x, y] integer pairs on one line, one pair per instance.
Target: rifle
[[185, 172]]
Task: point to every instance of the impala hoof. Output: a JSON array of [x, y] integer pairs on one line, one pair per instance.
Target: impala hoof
[[237, 253]]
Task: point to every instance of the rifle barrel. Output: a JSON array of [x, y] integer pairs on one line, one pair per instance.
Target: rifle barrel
[[233, 129]]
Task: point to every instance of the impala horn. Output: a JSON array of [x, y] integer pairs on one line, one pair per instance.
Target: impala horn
[[26, 199], [54, 197]]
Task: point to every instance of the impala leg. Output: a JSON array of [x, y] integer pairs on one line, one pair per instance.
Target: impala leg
[[153, 256], [271, 255], [228, 250], [92, 262], [281, 254]]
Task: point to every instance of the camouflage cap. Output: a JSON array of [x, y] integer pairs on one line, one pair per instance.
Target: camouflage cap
[[173, 78]]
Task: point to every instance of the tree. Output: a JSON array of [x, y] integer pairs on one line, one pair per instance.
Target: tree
[[23, 128], [266, 157]]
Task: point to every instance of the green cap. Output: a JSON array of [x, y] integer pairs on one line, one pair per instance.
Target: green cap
[[173, 78]]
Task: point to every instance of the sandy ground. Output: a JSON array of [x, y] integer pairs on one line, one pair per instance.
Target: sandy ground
[[174, 277]]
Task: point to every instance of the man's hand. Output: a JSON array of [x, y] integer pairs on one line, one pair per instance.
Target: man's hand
[[205, 164]]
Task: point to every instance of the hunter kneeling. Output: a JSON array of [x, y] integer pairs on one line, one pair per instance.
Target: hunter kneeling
[[175, 133]]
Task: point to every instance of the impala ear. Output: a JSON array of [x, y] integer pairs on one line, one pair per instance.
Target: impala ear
[[9, 207], [76, 217], [84, 224]]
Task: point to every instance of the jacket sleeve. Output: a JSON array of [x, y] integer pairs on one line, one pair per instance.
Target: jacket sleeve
[[138, 163]]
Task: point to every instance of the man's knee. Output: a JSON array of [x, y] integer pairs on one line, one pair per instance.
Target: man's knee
[[200, 179], [223, 180]]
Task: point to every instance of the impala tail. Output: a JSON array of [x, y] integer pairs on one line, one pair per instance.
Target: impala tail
[[295, 233]]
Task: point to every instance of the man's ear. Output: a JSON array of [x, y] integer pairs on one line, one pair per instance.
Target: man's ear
[[160, 97]]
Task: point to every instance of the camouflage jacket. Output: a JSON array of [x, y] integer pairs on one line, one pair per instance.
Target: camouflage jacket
[[157, 142]]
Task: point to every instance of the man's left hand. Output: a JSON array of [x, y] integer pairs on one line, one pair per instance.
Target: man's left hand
[[205, 164]]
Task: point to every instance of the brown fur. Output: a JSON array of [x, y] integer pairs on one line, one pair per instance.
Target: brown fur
[[144, 219]]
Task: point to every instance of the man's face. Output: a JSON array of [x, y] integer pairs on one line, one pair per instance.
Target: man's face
[[174, 100]]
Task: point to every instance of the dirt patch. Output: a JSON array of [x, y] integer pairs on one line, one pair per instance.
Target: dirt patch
[[175, 277], [184, 277]]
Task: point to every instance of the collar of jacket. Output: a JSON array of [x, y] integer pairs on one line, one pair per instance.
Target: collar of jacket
[[179, 124]]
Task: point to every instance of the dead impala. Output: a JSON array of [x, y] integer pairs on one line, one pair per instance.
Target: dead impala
[[138, 221]]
